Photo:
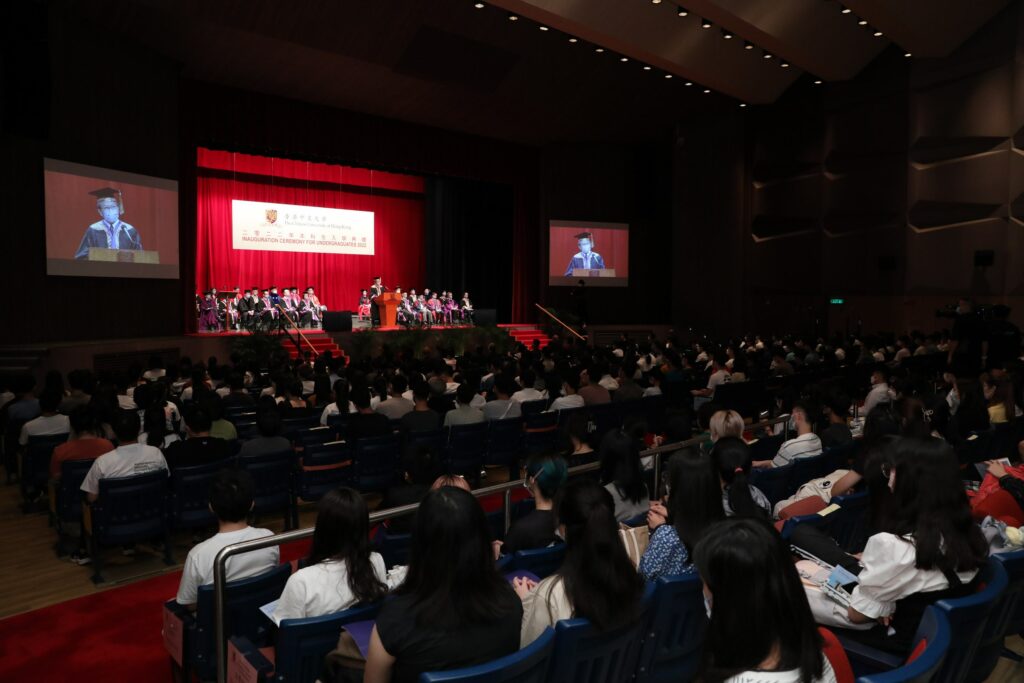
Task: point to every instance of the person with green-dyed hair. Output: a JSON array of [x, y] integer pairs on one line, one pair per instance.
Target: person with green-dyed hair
[[545, 476]]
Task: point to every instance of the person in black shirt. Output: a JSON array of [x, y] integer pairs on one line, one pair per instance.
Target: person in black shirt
[[968, 339], [239, 397], [545, 476], [837, 407], [421, 418], [420, 467], [199, 448], [454, 609], [365, 422]]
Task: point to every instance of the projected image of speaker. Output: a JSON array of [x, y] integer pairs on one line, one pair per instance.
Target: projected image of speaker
[[338, 321]]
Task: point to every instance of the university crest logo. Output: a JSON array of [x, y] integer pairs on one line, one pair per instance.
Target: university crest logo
[[271, 216]]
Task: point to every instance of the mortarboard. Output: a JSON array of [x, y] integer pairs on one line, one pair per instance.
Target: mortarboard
[[586, 235], [109, 192]]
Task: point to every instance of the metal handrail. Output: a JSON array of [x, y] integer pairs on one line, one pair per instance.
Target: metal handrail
[[555, 318], [298, 329], [220, 561]]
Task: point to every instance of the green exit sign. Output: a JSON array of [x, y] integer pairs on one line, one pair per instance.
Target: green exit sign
[[837, 302]]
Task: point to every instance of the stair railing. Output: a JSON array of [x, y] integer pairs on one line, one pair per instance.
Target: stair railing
[[555, 318], [298, 330]]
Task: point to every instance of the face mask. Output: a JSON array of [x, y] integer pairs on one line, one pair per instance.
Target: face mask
[[707, 605]]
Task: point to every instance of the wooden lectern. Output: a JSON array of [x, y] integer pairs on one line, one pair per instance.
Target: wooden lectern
[[123, 255], [387, 304]]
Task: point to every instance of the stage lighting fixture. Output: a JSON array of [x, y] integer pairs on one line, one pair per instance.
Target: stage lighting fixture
[[817, 82], [707, 90], [689, 83], [655, 2], [742, 104], [598, 49], [705, 23], [862, 22], [623, 59], [907, 54]]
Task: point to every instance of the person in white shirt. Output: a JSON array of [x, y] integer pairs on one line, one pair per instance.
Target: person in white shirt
[[607, 381], [128, 459], [528, 392], [231, 500], [805, 445], [340, 399], [879, 392], [749, 578], [654, 377], [570, 399], [49, 423], [463, 413], [503, 406], [927, 549], [396, 406], [341, 571], [719, 375]]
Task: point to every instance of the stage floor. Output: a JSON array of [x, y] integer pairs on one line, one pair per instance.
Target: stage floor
[[363, 327]]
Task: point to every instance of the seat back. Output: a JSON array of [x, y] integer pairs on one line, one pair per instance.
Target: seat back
[[130, 509], [976, 448], [1013, 599], [583, 653], [932, 642], [849, 524], [322, 468], [806, 469], [35, 463], [540, 421], [654, 411], [504, 441], [541, 561], [529, 665], [69, 491], [766, 447], [967, 617], [394, 548], [434, 439], [242, 617], [302, 644], [533, 407], [604, 417], [188, 502], [467, 445], [773, 481], [272, 479], [675, 637], [315, 436], [376, 462], [246, 430]]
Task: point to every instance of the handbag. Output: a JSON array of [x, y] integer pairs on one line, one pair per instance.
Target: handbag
[[635, 539], [345, 663]]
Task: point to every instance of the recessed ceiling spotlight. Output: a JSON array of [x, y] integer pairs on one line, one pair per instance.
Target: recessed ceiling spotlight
[[843, 9], [598, 49], [574, 40], [878, 34], [646, 67], [727, 34], [707, 90], [623, 59], [689, 83], [747, 45], [655, 2], [705, 23], [668, 75], [543, 28], [742, 104], [784, 65], [907, 54], [513, 17], [817, 82], [681, 11], [478, 5], [862, 22], [767, 55]]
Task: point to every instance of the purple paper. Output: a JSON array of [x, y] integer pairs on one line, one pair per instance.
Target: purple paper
[[361, 632], [522, 574]]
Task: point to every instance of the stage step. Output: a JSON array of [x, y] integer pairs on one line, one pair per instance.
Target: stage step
[[526, 333], [318, 339]]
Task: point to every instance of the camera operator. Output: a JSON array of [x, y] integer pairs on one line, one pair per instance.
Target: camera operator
[[968, 341]]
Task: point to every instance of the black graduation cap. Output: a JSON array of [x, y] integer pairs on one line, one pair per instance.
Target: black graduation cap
[[586, 235], [111, 193]]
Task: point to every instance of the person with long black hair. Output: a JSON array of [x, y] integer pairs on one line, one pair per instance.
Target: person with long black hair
[[341, 571], [622, 476], [694, 504], [596, 581], [454, 609], [730, 458], [761, 629], [928, 549]]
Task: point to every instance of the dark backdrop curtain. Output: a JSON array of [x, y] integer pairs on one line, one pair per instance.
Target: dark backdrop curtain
[[469, 240]]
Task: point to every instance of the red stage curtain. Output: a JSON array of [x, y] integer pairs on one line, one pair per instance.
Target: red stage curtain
[[395, 199]]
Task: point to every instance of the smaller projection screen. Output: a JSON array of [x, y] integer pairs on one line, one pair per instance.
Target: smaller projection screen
[[597, 253], [106, 223]]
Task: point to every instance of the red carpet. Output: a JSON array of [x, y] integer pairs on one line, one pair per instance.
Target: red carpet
[[113, 635]]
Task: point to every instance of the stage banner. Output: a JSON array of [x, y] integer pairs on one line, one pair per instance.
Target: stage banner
[[267, 226]]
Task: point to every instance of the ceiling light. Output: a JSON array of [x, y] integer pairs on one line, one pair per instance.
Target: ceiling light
[[784, 65], [747, 45], [707, 90], [598, 49], [705, 23], [647, 68], [767, 55], [907, 54], [513, 17], [668, 75], [689, 83], [574, 40], [655, 2], [844, 10], [742, 104], [543, 28], [878, 34], [817, 82], [727, 34], [862, 22], [681, 11], [623, 59], [479, 5]]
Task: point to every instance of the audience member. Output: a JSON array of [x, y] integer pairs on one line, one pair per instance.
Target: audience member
[[395, 407], [805, 444], [571, 398], [154, 429], [49, 422], [502, 407], [85, 442], [725, 423], [421, 418], [545, 476], [199, 448], [730, 458], [591, 392], [621, 475], [270, 440], [365, 422], [463, 413]]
